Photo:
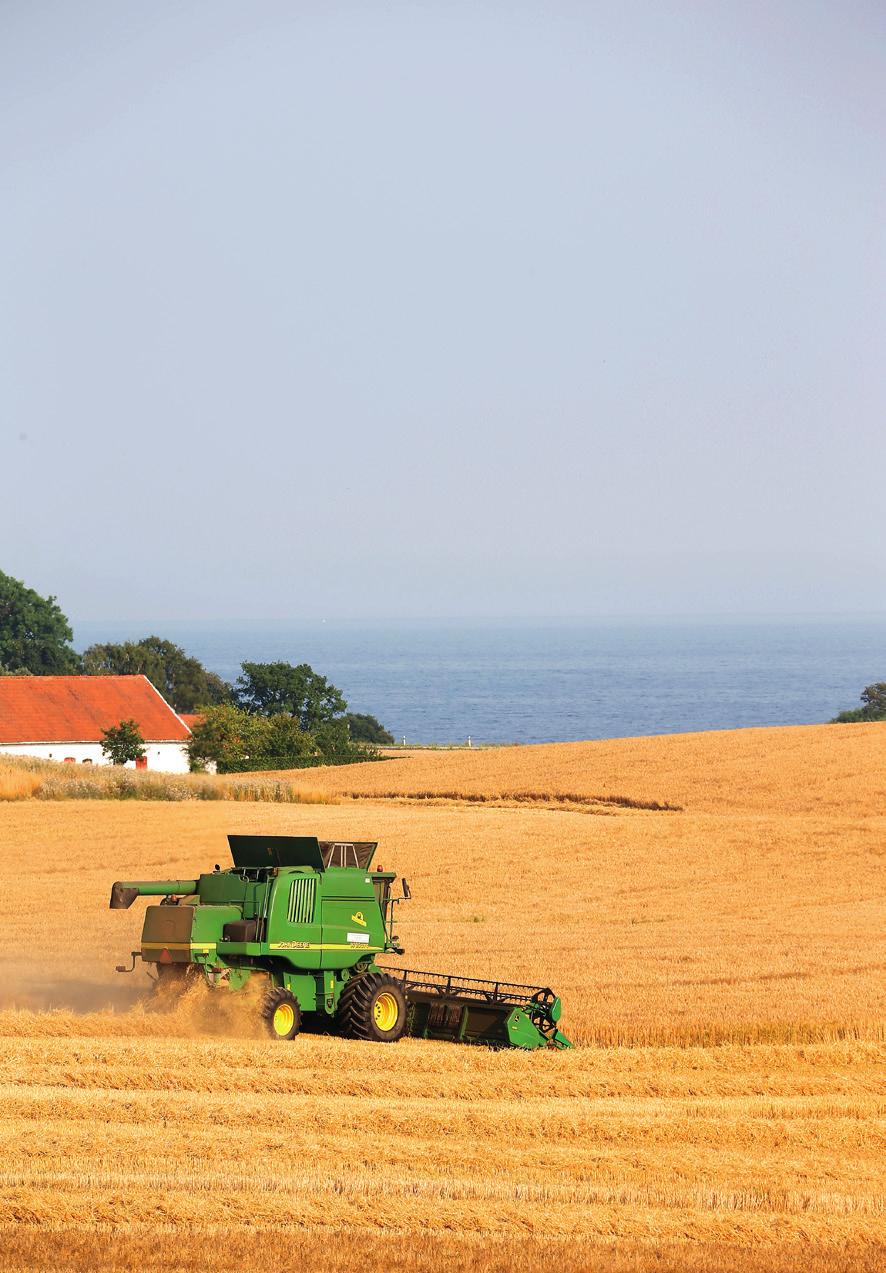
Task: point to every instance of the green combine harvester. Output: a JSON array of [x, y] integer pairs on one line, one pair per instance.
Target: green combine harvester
[[311, 916]]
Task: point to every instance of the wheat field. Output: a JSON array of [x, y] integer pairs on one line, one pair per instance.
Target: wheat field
[[796, 769], [710, 908]]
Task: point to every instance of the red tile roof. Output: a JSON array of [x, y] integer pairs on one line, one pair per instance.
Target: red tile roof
[[75, 709], [191, 718]]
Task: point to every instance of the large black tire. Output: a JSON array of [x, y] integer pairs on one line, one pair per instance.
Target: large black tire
[[372, 1007], [281, 1014]]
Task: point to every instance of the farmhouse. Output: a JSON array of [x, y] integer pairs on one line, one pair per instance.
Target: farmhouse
[[62, 718]]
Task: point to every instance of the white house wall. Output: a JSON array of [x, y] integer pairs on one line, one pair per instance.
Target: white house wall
[[167, 758]]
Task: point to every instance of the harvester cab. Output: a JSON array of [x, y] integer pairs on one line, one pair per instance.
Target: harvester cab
[[312, 917]]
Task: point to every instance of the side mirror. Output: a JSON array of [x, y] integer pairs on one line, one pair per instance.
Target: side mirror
[[406, 890]]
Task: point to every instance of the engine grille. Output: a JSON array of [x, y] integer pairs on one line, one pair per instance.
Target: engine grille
[[301, 900]]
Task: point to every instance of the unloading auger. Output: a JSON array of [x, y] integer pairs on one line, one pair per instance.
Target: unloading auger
[[312, 916]]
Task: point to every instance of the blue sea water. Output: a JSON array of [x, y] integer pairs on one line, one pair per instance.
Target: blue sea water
[[534, 683]]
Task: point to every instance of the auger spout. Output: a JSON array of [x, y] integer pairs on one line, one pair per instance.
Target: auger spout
[[124, 892]]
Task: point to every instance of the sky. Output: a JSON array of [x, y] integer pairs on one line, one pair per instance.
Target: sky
[[417, 311]]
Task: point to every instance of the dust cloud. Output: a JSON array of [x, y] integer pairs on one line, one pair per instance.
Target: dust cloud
[[29, 990], [187, 1008]]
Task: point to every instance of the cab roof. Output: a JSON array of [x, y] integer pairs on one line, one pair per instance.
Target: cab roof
[[251, 852]]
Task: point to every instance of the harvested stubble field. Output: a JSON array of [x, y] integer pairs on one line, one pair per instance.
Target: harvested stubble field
[[722, 966]]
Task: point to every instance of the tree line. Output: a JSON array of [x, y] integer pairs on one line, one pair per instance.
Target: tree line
[[274, 716]]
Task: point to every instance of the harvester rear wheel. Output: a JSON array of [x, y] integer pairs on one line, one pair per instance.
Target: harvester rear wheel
[[281, 1014], [372, 1007]]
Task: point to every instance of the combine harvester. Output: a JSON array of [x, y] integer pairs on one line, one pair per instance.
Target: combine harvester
[[311, 916]]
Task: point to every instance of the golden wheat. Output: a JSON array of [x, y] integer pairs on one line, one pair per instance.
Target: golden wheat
[[18, 785], [800, 769], [722, 964], [653, 928], [640, 1146]]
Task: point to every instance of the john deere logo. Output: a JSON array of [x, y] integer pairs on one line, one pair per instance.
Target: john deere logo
[[358, 919]]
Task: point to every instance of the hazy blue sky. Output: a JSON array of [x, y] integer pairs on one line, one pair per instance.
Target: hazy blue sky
[[330, 310]]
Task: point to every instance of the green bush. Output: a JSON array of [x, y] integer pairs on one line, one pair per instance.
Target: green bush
[[366, 729], [874, 699], [236, 741]]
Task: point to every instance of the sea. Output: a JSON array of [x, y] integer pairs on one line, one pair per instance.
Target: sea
[[556, 682]]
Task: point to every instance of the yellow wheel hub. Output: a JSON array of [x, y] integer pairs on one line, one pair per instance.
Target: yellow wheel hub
[[283, 1019], [386, 1011]]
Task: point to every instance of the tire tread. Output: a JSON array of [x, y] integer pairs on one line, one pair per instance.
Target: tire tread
[[354, 1015]]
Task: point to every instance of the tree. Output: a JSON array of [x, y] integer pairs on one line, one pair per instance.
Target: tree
[[182, 680], [874, 699], [271, 689], [123, 742], [227, 737], [366, 729], [287, 745], [34, 634]]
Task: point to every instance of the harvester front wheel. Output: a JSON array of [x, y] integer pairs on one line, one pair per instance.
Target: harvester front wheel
[[372, 1007], [281, 1014]]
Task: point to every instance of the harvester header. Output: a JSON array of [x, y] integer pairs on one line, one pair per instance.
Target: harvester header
[[312, 917]]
